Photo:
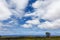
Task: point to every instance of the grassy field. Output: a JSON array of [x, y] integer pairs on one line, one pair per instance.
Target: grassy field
[[31, 38]]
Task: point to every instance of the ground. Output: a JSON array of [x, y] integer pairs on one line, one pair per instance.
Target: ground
[[31, 38]]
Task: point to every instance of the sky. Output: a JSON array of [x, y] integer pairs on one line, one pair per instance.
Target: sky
[[29, 17]]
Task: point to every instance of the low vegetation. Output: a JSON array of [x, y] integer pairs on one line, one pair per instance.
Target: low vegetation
[[31, 38]]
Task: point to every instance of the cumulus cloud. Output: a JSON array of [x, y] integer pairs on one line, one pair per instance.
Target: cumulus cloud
[[53, 11], [9, 8], [48, 10], [21, 4], [17, 7], [30, 23], [40, 4], [36, 4], [27, 25], [50, 25], [34, 22], [4, 11]]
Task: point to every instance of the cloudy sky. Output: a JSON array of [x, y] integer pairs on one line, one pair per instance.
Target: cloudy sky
[[29, 17]]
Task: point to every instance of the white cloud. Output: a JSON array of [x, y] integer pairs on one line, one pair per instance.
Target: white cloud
[[30, 23], [21, 4], [50, 25], [40, 4], [49, 11], [37, 4], [38, 13], [33, 22], [4, 11], [27, 25], [53, 11], [16, 7]]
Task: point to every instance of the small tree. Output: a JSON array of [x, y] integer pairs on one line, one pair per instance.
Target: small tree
[[47, 34]]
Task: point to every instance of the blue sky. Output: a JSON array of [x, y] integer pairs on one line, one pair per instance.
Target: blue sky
[[29, 17]]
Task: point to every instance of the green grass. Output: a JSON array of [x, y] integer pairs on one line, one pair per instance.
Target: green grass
[[30, 38]]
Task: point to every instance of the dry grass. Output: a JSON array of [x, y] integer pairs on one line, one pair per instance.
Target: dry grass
[[31, 38]]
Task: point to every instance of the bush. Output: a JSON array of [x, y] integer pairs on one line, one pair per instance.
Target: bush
[[47, 34]]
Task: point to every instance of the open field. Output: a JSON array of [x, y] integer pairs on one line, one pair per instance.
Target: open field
[[31, 38]]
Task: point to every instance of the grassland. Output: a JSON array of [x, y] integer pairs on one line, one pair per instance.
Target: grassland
[[30, 38]]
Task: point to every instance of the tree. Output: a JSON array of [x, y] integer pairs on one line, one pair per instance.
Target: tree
[[47, 34]]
